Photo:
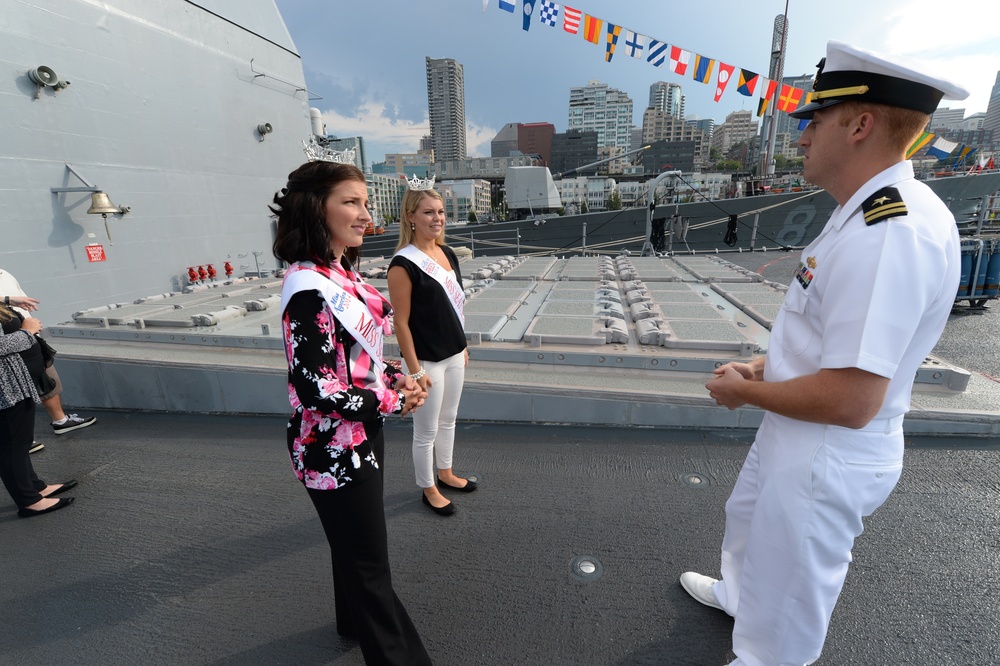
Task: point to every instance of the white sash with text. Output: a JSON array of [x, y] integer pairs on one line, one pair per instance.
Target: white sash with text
[[450, 285], [351, 312]]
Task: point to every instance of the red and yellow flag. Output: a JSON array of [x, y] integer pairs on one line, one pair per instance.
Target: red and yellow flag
[[592, 29], [789, 98]]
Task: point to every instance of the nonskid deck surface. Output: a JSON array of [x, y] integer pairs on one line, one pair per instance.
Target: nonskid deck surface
[[625, 340], [191, 542]]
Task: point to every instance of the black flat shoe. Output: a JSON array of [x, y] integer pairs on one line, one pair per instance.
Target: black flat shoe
[[29, 513], [469, 486], [63, 487], [447, 510]]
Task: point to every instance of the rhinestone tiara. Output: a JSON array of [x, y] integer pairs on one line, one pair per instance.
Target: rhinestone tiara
[[416, 183]]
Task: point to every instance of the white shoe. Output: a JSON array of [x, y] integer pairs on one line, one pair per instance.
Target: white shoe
[[700, 587]]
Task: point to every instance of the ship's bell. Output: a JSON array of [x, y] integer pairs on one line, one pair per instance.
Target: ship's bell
[[100, 204]]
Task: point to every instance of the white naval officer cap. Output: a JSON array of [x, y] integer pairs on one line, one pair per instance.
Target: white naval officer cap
[[851, 73]]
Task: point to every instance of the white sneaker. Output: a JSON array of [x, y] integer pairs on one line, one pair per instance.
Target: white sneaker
[[700, 587]]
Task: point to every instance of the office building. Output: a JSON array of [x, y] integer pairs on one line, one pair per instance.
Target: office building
[[504, 144], [659, 125], [739, 128], [410, 164], [572, 149], [536, 139], [446, 108], [947, 119]]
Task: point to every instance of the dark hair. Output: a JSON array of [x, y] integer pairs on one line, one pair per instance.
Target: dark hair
[[300, 208]]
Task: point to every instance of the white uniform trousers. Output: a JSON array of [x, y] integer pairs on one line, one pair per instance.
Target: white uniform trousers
[[434, 421], [791, 522]]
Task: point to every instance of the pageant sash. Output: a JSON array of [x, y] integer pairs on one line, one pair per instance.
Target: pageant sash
[[450, 285], [351, 312]]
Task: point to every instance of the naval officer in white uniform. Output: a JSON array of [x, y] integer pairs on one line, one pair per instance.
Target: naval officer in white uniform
[[870, 298]]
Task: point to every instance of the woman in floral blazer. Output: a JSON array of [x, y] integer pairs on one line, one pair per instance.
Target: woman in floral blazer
[[340, 392]]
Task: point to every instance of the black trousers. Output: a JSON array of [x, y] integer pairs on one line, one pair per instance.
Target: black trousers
[[17, 431], [367, 607]]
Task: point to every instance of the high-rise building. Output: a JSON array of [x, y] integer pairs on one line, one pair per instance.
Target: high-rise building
[[667, 97], [596, 107], [446, 107], [992, 120]]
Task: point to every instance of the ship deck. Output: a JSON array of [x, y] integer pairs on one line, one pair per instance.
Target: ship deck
[[617, 341], [192, 543]]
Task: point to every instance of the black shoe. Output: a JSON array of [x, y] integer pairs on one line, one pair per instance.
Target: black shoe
[[469, 486], [72, 422], [63, 487], [447, 510], [35, 447], [28, 513]]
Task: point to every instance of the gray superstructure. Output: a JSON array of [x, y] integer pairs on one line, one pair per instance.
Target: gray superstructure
[[161, 106]]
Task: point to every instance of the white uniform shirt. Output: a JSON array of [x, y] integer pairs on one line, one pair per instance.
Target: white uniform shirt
[[871, 297]]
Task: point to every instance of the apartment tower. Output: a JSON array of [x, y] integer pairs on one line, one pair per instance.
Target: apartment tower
[[446, 108]]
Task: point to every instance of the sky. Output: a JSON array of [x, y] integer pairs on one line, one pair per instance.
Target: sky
[[365, 58]]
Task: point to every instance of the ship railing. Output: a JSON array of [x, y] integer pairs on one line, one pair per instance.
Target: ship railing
[[506, 238]]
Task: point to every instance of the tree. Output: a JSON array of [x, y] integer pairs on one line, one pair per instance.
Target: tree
[[713, 154], [614, 201], [583, 206], [472, 217], [728, 165]]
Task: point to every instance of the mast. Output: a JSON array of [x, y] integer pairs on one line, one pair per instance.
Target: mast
[[779, 41]]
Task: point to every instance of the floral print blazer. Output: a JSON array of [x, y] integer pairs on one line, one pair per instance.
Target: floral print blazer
[[333, 385]]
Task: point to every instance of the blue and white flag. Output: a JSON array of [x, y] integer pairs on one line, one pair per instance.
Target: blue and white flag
[[528, 7], [549, 13], [634, 44], [507, 5], [941, 148], [656, 54]]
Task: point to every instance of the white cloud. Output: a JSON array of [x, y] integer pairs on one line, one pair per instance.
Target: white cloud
[[381, 134], [478, 138], [387, 135]]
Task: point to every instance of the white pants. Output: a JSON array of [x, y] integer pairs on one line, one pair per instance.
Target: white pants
[[791, 522], [434, 421]]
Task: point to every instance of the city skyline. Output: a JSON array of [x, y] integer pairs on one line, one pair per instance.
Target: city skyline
[[366, 60]]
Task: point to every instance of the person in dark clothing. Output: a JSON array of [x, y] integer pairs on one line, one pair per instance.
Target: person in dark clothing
[[22, 373], [340, 391]]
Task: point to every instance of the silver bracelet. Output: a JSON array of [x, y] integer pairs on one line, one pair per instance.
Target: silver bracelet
[[417, 375]]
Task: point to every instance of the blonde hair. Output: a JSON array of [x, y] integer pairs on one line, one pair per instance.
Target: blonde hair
[[411, 200], [901, 126]]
